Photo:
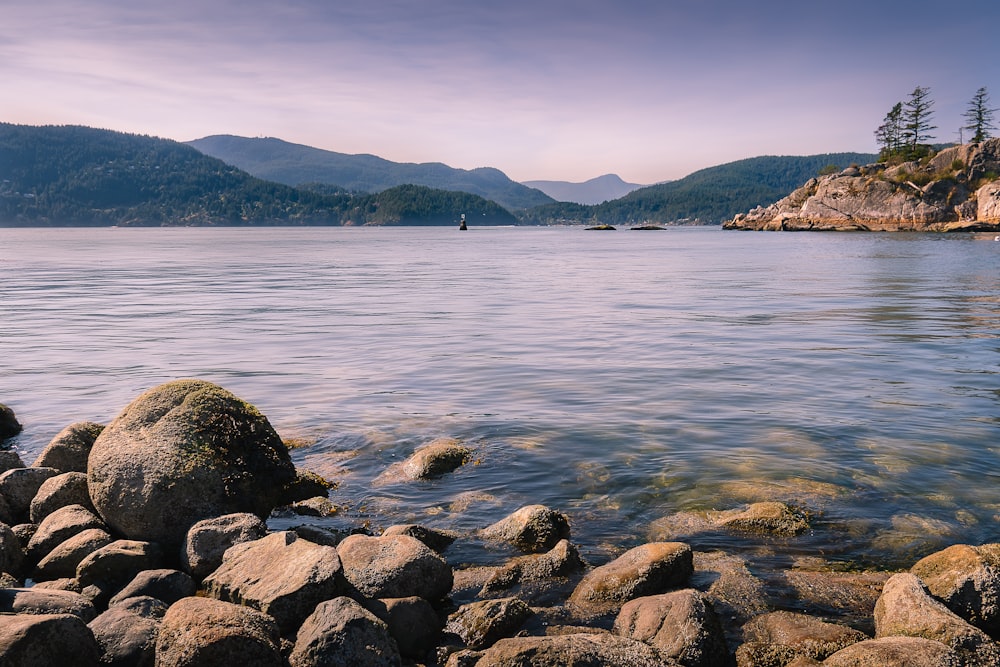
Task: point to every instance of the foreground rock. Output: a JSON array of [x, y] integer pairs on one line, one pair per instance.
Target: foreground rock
[[280, 575], [895, 652], [199, 632], [127, 632], [780, 637], [682, 625], [482, 624], [207, 541], [47, 639], [182, 452], [951, 192], [573, 650], [967, 580], [648, 569], [394, 566], [342, 632]]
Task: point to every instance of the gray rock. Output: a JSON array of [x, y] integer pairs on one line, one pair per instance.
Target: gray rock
[[18, 487], [202, 632], [9, 459], [562, 560], [394, 566], [649, 569], [532, 529], [127, 633], [167, 585], [68, 451], [412, 621], [207, 541], [62, 561], [681, 625], [436, 458], [906, 609], [9, 426], [482, 624], [571, 650], [182, 452], [341, 633], [988, 202], [46, 640], [895, 652], [58, 527], [69, 488], [11, 555], [781, 636], [280, 575], [766, 518], [114, 565], [35, 601]]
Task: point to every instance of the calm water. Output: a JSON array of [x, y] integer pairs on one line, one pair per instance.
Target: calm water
[[621, 377]]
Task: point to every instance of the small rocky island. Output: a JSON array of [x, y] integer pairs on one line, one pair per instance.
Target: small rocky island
[[956, 189]]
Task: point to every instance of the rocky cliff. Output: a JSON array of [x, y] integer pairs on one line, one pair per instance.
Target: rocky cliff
[[957, 189]]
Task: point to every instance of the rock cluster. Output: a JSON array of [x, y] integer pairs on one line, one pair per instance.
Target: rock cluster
[[83, 585], [958, 189]]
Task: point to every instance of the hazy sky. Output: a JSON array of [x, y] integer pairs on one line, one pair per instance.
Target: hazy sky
[[543, 89]]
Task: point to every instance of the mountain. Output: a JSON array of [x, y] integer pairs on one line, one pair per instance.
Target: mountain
[[70, 175], [708, 196], [295, 164], [596, 190]]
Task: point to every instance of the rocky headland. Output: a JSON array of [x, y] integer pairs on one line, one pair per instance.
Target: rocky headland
[[145, 542], [956, 189]]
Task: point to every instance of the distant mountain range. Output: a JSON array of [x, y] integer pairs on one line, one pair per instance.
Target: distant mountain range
[[295, 164], [67, 175], [595, 191]]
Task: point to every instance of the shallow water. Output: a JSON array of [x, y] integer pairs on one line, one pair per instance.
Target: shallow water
[[621, 377]]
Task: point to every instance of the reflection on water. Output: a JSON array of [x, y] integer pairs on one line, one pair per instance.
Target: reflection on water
[[623, 378]]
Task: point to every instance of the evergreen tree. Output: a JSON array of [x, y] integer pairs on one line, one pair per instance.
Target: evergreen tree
[[917, 119], [980, 117], [890, 133]]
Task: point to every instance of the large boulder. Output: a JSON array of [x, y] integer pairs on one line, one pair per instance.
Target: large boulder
[[895, 652], [394, 566], [280, 575], [182, 452], [201, 632], [69, 450], [341, 633], [967, 580], [207, 541], [47, 639], [648, 569], [682, 625]]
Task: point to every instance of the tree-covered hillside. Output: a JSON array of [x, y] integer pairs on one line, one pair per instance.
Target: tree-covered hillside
[[708, 196], [295, 164], [68, 175]]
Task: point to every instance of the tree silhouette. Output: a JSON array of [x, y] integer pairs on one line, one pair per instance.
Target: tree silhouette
[[980, 116], [917, 119]]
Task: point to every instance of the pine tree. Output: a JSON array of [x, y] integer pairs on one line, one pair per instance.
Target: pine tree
[[917, 119], [980, 117], [890, 133]]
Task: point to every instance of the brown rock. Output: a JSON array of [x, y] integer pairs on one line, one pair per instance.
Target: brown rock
[[438, 540], [280, 575], [967, 580], [895, 652], [11, 556], [48, 639], [69, 488], [58, 527], [482, 624], [9, 426], [558, 563], [201, 632], [115, 564], [68, 451], [34, 601], [532, 529], [9, 459], [778, 637], [681, 625], [768, 518], [19, 486], [63, 560], [341, 632], [127, 633], [437, 458], [394, 566], [166, 585], [572, 650], [207, 541], [412, 621], [649, 569]]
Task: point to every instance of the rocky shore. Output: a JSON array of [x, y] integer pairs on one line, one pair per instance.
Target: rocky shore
[[956, 189], [144, 542]]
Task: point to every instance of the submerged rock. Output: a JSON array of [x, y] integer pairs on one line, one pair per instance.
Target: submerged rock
[[182, 452]]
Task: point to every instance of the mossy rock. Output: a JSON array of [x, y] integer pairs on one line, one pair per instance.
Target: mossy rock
[[182, 452]]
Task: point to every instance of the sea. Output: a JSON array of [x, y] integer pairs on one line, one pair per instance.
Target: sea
[[641, 382]]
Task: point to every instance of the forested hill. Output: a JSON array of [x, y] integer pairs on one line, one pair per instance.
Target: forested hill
[[295, 164], [69, 175], [708, 196]]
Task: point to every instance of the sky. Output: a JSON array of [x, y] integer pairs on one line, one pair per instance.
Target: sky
[[651, 90]]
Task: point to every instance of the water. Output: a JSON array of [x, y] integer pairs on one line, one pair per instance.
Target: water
[[624, 378]]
